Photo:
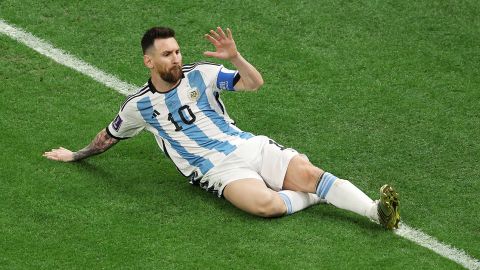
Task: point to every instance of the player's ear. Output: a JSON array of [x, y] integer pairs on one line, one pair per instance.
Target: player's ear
[[148, 61]]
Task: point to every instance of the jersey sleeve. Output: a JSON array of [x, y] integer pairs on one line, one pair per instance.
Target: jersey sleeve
[[126, 124]]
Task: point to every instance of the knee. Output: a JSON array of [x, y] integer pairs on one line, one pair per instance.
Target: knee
[[310, 172], [269, 205], [314, 172], [303, 169]]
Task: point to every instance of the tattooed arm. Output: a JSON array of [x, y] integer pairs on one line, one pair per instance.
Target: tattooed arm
[[100, 144]]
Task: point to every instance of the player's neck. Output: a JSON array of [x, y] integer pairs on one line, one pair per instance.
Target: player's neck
[[161, 85]]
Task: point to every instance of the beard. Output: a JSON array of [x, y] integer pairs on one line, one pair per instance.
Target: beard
[[172, 75]]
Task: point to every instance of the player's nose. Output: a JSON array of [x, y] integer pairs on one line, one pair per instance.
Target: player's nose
[[176, 58]]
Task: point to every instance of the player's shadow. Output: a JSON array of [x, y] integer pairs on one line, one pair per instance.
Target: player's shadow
[[128, 181], [331, 214], [317, 213], [92, 169], [114, 181]]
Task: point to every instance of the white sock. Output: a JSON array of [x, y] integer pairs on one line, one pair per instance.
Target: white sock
[[343, 194], [296, 201]]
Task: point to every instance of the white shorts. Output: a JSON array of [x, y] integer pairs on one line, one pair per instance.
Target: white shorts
[[258, 158]]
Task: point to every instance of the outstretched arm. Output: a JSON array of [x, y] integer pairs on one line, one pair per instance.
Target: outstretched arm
[[100, 144], [226, 49]]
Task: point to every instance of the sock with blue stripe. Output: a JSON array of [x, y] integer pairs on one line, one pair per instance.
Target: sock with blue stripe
[[343, 194], [296, 201]]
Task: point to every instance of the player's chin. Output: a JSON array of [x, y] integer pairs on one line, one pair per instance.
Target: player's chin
[[177, 73], [173, 76]]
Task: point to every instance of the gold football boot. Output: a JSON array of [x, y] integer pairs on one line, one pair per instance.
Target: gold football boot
[[388, 207]]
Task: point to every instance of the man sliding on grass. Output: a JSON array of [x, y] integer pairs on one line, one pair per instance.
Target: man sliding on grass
[[181, 106]]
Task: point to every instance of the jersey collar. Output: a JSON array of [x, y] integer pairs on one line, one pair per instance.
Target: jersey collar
[[154, 90]]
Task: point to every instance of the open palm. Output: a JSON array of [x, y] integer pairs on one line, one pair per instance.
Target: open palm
[[224, 44]]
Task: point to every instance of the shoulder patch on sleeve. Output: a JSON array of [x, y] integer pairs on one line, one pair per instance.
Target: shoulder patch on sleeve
[[117, 123]]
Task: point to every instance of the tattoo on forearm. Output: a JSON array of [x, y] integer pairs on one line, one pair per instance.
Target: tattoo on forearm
[[100, 144]]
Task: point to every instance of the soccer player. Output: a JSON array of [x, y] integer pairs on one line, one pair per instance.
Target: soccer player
[[181, 106]]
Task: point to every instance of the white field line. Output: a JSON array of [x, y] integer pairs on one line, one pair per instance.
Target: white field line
[[457, 255], [65, 59], [414, 235]]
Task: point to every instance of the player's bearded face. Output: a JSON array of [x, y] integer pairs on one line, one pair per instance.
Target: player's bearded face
[[166, 60]]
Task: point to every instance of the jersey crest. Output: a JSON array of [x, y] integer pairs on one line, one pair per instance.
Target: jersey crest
[[194, 94]]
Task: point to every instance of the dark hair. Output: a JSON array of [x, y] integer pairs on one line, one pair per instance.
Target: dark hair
[[153, 33]]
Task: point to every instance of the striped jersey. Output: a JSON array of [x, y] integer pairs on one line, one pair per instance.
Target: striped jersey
[[189, 122]]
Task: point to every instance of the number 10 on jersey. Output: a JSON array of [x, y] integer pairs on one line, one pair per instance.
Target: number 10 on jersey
[[186, 115]]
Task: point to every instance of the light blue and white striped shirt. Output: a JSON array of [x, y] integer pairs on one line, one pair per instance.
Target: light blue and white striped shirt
[[190, 122]]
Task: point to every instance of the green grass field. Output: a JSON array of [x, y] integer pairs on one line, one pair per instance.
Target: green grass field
[[375, 92]]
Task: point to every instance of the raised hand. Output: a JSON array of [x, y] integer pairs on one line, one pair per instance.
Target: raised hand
[[59, 154], [224, 44]]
